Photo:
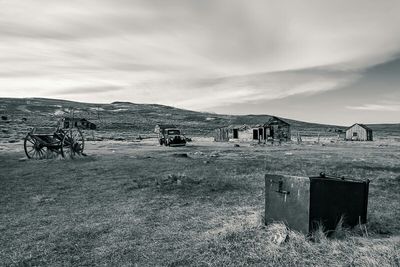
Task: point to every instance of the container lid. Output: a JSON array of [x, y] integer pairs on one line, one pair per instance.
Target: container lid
[[323, 176]]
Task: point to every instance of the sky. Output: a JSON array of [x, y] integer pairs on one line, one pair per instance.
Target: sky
[[332, 62]]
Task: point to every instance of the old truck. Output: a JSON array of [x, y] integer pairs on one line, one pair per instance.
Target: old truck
[[170, 135]]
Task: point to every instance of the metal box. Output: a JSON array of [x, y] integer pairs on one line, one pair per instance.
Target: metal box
[[305, 203]]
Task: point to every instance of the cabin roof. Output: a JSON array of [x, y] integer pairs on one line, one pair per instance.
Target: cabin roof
[[360, 124], [236, 126], [276, 121]]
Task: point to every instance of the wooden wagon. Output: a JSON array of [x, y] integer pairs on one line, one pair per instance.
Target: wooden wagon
[[65, 142]]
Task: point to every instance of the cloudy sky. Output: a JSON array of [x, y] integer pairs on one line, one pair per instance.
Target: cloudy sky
[[322, 61]]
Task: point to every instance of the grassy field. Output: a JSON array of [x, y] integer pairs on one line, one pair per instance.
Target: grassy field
[[136, 204]]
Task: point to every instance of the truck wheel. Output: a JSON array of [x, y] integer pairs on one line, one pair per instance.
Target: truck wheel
[[161, 142]]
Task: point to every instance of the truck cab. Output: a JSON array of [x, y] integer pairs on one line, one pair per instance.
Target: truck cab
[[171, 137]]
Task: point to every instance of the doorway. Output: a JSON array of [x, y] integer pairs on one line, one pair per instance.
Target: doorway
[[255, 134], [260, 134], [235, 133]]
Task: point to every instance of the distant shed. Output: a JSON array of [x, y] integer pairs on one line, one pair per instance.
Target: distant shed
[[277, 129], [81, 123], [233, 133], [359, 132]]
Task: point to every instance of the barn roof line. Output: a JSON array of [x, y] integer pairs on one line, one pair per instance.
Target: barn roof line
[[236, 126], [271, 121], [275, 119], [362, 125]]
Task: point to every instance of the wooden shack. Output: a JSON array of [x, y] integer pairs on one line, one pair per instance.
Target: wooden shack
[[277, 129], [81, 123], [359, 132], [238, 133]]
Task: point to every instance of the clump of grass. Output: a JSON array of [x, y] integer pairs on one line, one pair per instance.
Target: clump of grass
[[278, 233], [254, 245], [42, 199], [171, 179], [319, 235]]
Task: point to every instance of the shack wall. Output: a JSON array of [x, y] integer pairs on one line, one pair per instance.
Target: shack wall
[[227, 135], [221, 135], [245, 135], [358, 133], [279, 132]]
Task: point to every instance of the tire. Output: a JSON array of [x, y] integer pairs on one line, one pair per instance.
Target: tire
[[32, 148]]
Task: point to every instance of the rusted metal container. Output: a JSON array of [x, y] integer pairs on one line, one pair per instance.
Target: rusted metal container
[[305, 203]]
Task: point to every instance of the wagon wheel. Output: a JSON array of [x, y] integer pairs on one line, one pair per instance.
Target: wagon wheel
[[33, 148], [72, 143]]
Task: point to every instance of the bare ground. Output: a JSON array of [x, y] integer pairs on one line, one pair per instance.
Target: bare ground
[[136, 203]]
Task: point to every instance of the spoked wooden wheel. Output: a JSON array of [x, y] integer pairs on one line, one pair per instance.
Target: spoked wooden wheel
[[33, 148], [72, 143]]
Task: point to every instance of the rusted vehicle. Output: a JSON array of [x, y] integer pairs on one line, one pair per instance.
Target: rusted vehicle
[[170, 136], [65, 142]]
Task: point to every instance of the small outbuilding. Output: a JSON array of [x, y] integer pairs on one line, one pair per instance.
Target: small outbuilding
[[233, 133], [81, 123], [277, 129], [359, 132], [274, 129]]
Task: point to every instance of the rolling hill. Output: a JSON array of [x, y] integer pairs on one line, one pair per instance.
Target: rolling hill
[[129, 119]]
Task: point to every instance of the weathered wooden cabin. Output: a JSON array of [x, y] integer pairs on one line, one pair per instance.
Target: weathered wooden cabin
[[81, 123], [277, 129], [233, 133], [274, 129], [359, 132]]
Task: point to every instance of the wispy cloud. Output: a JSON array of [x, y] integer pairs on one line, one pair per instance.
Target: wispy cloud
[[190, 53], [259, 87], [87, 90], [377, 107]]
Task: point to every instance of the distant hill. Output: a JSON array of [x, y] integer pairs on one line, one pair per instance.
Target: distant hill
[[389, 129], [140, 119]]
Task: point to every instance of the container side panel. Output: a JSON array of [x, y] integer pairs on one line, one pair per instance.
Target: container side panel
[[332, 199], [287, 200]]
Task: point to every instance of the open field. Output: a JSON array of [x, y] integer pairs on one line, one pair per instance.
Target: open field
[[136, 203]]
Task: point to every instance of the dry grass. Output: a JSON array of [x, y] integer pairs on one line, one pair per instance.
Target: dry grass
[[113, 210]]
